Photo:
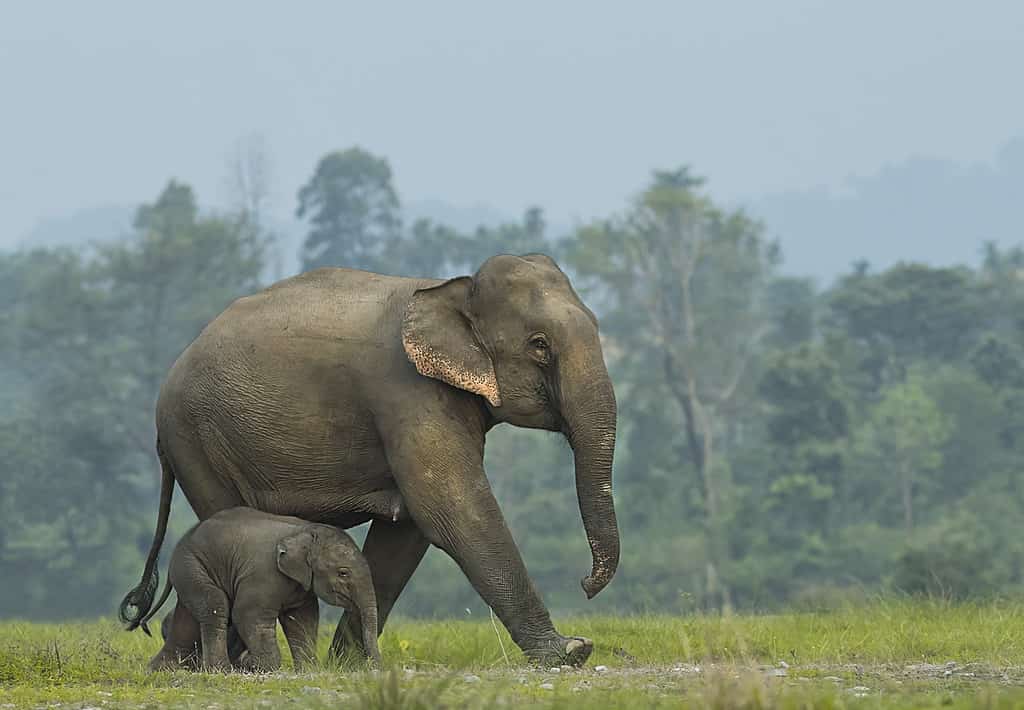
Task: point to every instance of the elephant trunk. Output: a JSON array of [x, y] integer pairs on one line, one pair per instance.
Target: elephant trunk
[[589, 413], [368, 619]]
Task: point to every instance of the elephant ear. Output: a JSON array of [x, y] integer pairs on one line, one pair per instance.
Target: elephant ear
[[439, 339], [293, 557]]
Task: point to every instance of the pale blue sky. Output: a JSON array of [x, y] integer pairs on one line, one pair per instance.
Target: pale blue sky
[[564, 104]]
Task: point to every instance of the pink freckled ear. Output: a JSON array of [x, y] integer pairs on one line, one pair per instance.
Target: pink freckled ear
[[440, 342]]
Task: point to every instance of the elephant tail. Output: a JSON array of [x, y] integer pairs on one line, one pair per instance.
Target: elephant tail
[[136, 604], [159, 603]]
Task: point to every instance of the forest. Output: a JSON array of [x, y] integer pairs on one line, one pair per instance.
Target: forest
[[782, 443]]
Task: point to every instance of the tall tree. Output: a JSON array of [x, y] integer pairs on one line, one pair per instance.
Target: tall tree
[[907, 431], [687, 281], [353, 211]]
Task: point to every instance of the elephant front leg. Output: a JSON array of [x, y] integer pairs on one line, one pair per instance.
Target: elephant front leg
[[393, 551], [257, 627], [300, 627], [444, 486]]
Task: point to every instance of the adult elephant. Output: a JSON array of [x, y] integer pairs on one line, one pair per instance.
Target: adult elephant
[[331, 391]]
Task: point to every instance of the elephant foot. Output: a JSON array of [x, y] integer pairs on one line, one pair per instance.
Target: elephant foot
[[251, 663], [175, 660], [562, 650]]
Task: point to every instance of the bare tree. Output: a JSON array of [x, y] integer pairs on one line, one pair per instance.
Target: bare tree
[[704, 273], [248, 186]]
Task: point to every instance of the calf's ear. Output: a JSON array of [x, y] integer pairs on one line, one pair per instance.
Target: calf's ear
[[293, 557]]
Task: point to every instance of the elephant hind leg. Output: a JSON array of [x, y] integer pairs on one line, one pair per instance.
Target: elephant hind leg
[[202, 473], [182, 642]]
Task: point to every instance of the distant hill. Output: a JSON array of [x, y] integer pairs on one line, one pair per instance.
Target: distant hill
[[922, 209], [80, 227], [935, 211], [101, 224]]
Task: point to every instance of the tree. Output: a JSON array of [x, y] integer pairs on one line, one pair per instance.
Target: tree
[[687, 282], [353, 210], [907, 430], [911, 311], [248, 185], [91, 337]]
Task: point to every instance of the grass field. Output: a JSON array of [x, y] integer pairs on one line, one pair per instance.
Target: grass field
[[886, 654]]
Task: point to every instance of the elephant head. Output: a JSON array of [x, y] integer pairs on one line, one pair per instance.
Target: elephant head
[[327, 561], [517, 334]]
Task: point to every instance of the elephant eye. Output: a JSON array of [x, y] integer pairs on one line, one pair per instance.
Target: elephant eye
[[541, 349], [343, 572]]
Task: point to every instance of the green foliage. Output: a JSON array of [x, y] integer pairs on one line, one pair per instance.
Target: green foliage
[[353, 211], [778, 444], [93, 335]]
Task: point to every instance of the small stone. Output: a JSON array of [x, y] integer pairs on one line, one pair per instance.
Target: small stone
[[779, 672], [601, 669], [566, 668], [783, 664], [951, 664], [310, 689], [547, 686], [554, 669], [472, 678], [947, 673], [833, 678]]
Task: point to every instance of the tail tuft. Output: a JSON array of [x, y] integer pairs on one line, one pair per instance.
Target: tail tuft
[[137, 603]]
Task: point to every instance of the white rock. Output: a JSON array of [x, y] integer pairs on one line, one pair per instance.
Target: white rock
[[783, 664], [554, 669], [472, 678], [547, 686], [601, 669]]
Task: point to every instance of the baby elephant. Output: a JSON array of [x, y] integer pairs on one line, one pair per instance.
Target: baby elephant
[[256, 569]]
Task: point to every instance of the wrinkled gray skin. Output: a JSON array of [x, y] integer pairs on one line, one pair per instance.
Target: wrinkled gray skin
[[328, 393], [255, 569]]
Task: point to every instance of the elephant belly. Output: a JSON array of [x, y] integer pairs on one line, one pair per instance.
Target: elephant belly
[[281, 458]]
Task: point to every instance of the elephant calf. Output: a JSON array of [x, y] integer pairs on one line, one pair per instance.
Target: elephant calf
[[255, 569]]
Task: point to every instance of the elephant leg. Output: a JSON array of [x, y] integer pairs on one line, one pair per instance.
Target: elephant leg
[[300, 626], [181, 642], [236, 647], [260, 636], [209, 605], [257, 626], [206, 491], [443, 483], [393, 551]]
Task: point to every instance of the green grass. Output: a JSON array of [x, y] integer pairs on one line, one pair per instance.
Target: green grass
[[886, 654]]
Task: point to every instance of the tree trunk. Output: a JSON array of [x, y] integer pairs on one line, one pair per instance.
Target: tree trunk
[[701, 446], [908, 500]]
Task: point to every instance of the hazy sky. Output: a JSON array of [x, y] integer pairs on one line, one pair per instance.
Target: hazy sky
[[565, 104]]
